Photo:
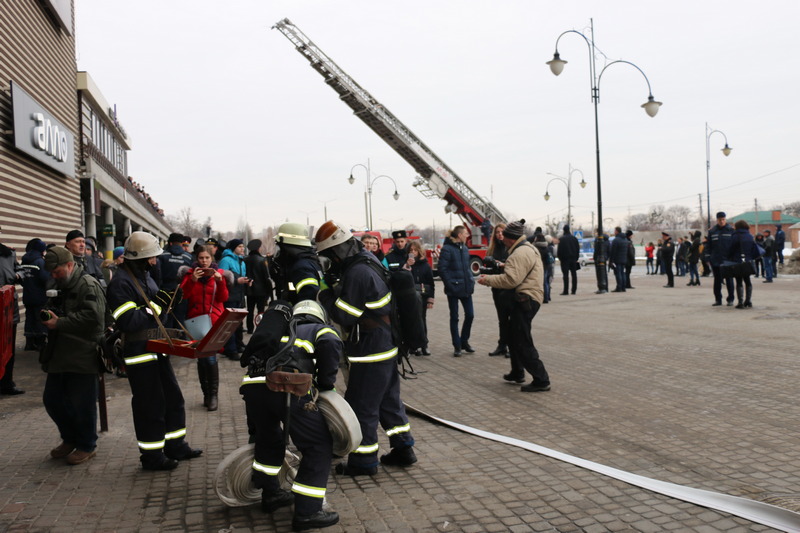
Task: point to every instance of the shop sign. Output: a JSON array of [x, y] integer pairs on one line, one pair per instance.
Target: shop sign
[[40, 135]]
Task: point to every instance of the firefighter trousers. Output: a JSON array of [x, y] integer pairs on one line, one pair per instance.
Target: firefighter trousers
[[373, 392], [159, 418], [266, 412]]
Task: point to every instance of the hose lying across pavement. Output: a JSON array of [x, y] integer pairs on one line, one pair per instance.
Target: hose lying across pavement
[[758, 512]]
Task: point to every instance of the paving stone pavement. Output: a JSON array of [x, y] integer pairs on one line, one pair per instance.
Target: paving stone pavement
[[653, 381]]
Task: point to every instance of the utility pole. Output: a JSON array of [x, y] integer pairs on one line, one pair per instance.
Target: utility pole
[[756, 201], [700, 201]]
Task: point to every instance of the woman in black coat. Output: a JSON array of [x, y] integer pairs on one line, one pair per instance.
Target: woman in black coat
[[423, 282], [742, 252]]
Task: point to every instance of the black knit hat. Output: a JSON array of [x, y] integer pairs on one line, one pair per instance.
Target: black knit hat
[[514, 230], [233, 243], [74, 234], [175, 237], [254, 245]]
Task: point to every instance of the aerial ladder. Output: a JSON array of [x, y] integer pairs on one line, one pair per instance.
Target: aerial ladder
[[435, 179]]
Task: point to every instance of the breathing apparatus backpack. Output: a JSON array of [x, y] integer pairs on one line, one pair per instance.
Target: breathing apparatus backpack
[[288, 368]]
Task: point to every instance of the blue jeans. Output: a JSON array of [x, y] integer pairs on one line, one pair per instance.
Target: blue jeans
[[694, 275], [619, 275], [768, 272], [548, 277], [469, 315], [71, 401]]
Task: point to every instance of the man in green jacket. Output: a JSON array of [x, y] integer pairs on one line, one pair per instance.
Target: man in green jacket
[[76, 318]]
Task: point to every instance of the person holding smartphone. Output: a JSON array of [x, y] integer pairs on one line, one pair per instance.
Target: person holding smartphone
[[205, 289], [233, 261]]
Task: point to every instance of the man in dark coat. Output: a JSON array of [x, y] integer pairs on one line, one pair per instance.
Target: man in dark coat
[[631, 259], [568, 253], [34, 287], [619, 258], [398, 255], [260, 290], [780, 244], [459, 284], [719, 245], [667, 254]]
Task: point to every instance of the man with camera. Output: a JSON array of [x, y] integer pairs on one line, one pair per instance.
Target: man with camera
[[522, 281], [75, 318]]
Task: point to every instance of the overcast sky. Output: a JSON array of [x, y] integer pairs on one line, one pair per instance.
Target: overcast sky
[[226, 117]]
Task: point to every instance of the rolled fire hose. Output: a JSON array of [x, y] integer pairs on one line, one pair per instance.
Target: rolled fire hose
[[342, 422], [755, 511], [233, 478]]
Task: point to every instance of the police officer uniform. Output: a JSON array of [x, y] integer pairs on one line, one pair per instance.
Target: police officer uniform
[[667, 254], [169, 262], [373, 390], [307, 428], [159, 418]]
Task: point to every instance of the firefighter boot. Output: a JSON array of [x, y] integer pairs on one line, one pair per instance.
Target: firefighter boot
[[404, 456], [212, 373]]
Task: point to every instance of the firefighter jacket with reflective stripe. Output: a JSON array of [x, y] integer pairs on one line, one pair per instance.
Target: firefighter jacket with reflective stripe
[[301, 280], [364, 301], [129, 309]]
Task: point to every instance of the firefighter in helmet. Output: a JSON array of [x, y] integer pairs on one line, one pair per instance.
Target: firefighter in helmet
[[361, 304], [295, 267], [315, 349], [159, 418]]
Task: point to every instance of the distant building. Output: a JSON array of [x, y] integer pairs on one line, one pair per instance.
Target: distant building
[[763, 220]]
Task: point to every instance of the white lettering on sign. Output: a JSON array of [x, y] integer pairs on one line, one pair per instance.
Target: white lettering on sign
[[48, 138]]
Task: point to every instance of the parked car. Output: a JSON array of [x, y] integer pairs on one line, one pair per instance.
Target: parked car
[[586, 258]]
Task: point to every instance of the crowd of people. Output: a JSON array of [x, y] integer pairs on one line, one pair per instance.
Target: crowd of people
[[139, 188], [75, 300]]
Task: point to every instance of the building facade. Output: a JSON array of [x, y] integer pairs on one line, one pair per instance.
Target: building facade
[[63, 152], [40, 193]]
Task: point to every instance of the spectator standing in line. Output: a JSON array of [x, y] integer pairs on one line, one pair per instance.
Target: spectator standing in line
[[34, 287], [259, 291], [206, 291], [549, 267], [10, 276], [780, 244], [619, 258], [568, 254], [631, 259], [398, 255], [667, 253], [70, 357], [659, 260], [540, 242], [743, 251], [233, 261], [75, 242], [683, 253], [694, 258], [215, 248], [497, 250], [372, 245], [110, 266], [705, 256], [459, 284], [758, 264], [648, 251], [719, 246], [423, 282], [522, 278], [769, 256]]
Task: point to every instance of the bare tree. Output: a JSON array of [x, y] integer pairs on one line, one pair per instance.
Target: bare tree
[[792, 209], [638, 222], [185, 223], [677, 216]]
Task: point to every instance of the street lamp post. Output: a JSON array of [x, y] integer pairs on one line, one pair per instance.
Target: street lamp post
[[727, 152], [651, 108], [391, 223], [368, 195], [568, 182]]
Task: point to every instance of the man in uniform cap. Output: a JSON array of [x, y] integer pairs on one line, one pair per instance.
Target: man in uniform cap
[[719, 244], [667, 254], [398, 257]]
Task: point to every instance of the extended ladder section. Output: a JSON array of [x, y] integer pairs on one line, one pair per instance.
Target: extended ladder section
[[435, 178]]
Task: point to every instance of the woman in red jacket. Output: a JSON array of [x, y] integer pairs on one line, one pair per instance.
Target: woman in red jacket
[[206, 290], [648, 250]]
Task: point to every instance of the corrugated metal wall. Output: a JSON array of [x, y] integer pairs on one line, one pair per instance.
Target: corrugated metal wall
[[39, 57]]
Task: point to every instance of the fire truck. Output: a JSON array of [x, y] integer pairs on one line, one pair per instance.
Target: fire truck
[[434, 178]]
